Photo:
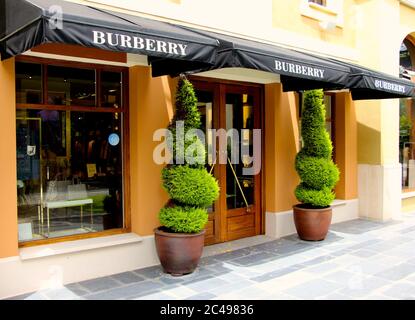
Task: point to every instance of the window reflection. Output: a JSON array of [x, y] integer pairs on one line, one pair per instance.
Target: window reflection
[[239, 116], [70, 86], [28, 83], [69, 177], [111, 84]]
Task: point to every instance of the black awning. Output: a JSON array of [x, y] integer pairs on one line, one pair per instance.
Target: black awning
[[25, 24], [299, 71], [367, 84]]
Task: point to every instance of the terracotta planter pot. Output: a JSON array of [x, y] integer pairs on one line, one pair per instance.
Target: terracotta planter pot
[[312, 224], [179, 253]]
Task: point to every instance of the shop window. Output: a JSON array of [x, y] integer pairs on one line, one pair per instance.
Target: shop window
[[71, 86], [69, 157], [111, 84], [29, 83], [407, 120]]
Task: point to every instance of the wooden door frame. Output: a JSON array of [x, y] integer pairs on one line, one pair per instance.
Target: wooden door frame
[[219, 88]]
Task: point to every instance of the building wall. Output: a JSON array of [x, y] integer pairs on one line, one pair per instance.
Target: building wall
[[151, 108], [8, 191]]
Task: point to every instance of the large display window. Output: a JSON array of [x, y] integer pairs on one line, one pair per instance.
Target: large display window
[[70, 130]]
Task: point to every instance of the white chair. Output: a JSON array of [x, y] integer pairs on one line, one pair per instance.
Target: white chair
[[75, 196]]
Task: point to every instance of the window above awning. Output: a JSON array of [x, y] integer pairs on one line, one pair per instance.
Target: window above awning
[[25, 24]]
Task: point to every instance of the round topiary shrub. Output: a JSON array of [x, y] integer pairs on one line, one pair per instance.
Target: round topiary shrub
[[183, 219], [317, 171], [191, 188]]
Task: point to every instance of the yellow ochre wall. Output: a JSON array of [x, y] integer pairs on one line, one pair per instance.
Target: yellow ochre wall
[[8, 194], [280, 147], [287, 15], [151, 108]]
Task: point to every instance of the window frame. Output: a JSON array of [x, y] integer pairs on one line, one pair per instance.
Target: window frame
[[124, 110], [332, 11]]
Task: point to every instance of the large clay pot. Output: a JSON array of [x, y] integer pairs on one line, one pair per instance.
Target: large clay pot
[[179, 253], [312, 224]]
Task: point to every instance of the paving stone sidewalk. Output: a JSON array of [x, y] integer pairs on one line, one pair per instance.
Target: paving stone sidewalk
[[359, 259]]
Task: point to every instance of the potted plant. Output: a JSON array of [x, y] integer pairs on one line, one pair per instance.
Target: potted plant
[[317, 171], [180, 239]]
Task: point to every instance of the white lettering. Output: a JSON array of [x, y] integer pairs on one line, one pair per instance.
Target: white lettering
[[389, 86], [110, 39], [138, 43], [99, 37], [299, 69], [173, 48], [182, 48], [125, 41], [161, 46], [150, 45]]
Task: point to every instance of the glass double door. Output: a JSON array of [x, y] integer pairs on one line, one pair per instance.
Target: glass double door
[[231, 123]]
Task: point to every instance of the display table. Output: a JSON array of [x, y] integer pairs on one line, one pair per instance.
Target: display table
[[67, 204]]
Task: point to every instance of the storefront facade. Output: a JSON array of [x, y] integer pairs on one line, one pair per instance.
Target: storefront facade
[[77, 127]]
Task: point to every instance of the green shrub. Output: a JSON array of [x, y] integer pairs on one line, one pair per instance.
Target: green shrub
[[186, 107], [183, 219], [318, 173], [190, 186], [316, 139], [316, 198]]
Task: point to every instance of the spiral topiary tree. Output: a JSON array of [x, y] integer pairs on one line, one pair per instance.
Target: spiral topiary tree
[[190, 186], [314, 165]]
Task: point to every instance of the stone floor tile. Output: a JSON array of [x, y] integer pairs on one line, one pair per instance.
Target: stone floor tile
[[179, 292], [363, 285], [322, 268], [128, 277], [202, 296], [252, 259], [313, 289], [232, 287], [207, 285], [397, 272], [150, 272], [364, 253], [77, 289], [125, 292], [61, 294], [100, 284], [401, 291], [156, 296], [275, 274], [336, 296], [31, 296]]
